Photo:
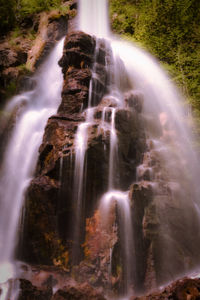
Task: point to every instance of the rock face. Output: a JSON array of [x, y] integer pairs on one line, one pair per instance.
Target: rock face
[[52, 27], [76, 64], [20, 56], [83, 292], [10, 60], [57, 147], [164, 219], [161, 225], [70, 291], [180, 290], [28, 291], [48, 229]]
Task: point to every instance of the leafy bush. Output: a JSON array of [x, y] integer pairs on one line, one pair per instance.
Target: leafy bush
[[170, 30], [34, 6], [7, 15]]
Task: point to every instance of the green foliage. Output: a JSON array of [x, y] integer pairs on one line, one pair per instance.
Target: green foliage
[[12, 12], [11, 89], [28, 7], [170, 30], [123, 16], [7, 15]]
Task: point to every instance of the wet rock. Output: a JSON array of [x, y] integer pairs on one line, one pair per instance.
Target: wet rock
[[78, 292], [78, 51], [135, 100], [141, 196], [52, 26], [51, 204], [40, 240], [10, 72], [161, 229], [58, 138], [30, 292], [184, 289], [55, 166], [77, 58], [73, 4], [131, 145], [56, 29]]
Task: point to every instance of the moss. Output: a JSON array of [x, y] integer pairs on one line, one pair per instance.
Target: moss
[[170, 31], [11, 88]]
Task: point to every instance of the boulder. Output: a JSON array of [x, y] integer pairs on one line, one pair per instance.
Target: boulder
[[30, 292], [78, 292], [183, 289]]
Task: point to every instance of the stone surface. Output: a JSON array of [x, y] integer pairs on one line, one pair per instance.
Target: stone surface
[[11, 57], [82, 292], [30, 292], [55, 29], [164, 220], [43, 280], [54, 180], [161, 227], [184, 289]]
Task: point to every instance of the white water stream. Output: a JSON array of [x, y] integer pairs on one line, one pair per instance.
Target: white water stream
[[122, 202], [162, 104], [22, 152], [160, 98]]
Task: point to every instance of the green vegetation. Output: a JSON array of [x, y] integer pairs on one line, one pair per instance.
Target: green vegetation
[[13, 12], [7, 15], [170, 30], [27, 7]]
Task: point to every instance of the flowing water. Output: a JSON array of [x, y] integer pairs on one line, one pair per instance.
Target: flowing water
[[22, 152], [130, 70], [162, 108], [121, 200]]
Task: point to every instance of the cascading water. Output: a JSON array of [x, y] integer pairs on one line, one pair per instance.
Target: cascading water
[[161, 109], [128, 92], [98, 12], [124, 213], [22, 151]]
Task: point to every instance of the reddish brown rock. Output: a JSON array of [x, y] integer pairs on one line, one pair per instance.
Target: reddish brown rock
[[185, 289], [78, 292], [78, 51], [77, 59], [30, 292], [56, 28], [40, 239], [135, 100], [131, 145]]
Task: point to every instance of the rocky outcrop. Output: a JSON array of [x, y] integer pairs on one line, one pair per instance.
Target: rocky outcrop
[[56, 152], [82, 291], [55, 169], [23, 51], [52, 27], [69, 291], [161, 226], [28, 291], [76, 64], [183, 289], [163, 218], [41, 287], [11, 60]]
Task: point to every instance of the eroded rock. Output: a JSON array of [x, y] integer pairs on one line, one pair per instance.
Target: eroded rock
[[184, 289]]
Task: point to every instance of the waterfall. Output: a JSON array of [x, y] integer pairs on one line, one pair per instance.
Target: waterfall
[[22, 152], [134, 74], [125, 224], [131, 135], [97, 24]]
